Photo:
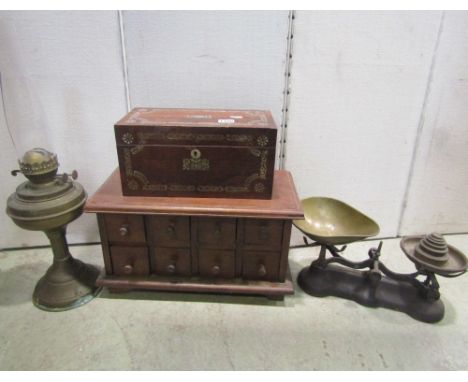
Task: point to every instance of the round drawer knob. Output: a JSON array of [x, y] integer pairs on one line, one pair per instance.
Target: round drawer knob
[[128, 269], [123, 230], [216, 269], [171, 268], [262, 270], [170, 230]]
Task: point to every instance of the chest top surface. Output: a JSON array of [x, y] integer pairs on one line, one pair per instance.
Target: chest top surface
[[197, 117], [284, 203]]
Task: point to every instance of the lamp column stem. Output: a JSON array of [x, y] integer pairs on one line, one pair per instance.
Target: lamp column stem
[[58, 241], [68, 282]]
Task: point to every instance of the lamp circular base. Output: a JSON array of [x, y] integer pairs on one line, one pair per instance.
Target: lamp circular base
[[72, 305], [66, 285]]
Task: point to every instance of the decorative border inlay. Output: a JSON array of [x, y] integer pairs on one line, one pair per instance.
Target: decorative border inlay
[[262, 140], [143, 138], [127, 138], [263, 164], [136, 179], [259, 187]]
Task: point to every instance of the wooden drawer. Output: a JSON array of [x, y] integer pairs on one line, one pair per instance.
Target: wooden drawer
[[261, 265], [125, 228], [168, 231], [263, 233], [170, 261], [129, 261], [217, 233], [216, 263]]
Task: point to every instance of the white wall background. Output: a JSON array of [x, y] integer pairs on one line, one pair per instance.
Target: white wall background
[[377, 114], [358, 86]]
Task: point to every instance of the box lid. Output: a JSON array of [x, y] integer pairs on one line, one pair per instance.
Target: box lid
[[198, 117], [199, 127]]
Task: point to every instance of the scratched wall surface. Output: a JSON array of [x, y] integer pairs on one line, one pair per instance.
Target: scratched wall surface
[[69, 67], [357, 89], [200, 59], [370, 92], [437, 198], [63, 83]]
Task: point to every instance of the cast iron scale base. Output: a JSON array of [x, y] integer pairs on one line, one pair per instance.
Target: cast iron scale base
[[375, 287], [369, 282]]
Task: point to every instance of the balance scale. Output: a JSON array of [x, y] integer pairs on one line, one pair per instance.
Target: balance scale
[[329, 222]]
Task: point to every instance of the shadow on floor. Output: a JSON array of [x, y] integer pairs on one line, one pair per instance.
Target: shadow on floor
[[17, 284], [448, 319], [289, 300], [195, 297]]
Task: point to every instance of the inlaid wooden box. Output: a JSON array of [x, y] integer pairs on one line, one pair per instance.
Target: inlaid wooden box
[[196, 153]]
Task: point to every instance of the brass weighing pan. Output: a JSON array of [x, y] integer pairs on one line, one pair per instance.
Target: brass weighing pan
[[332, 222]]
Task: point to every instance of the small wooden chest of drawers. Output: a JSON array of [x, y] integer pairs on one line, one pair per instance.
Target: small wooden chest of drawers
[[196, 244]]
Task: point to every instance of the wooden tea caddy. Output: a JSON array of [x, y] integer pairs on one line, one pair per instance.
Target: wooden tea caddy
[[196, 153]]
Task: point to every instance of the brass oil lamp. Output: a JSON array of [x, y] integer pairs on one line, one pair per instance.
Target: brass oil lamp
[[48, 202]]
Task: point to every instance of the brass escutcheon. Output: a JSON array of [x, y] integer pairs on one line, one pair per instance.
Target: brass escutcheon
[[195, 154]]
